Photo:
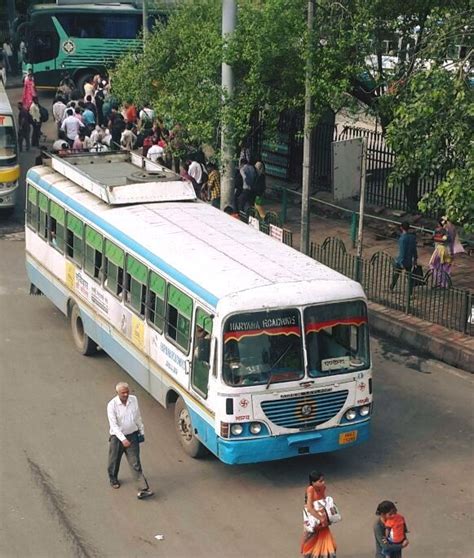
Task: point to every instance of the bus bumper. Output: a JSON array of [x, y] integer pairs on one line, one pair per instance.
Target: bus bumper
[[293, 445], [9, 186]]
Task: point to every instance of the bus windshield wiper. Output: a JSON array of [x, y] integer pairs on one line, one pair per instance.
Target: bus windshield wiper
[[270, 372]]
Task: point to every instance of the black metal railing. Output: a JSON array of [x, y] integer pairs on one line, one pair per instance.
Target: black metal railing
[[430, 297], [271, 225]]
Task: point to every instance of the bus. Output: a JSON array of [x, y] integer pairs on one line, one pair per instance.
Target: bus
[[262, 351], [81, 40], [9, 167]]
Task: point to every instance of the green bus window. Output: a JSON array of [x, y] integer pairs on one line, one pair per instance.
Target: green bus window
[[202, 352], [135, 290], [32, 207], [93, 253], [178, 317], [156, 302], [57, 222], [74, 237], [114, 263], [43, 215]]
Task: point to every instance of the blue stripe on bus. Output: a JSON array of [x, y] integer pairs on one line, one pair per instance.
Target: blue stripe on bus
[[126, 240]]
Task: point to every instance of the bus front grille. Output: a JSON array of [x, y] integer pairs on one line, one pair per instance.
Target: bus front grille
[[304, 411]]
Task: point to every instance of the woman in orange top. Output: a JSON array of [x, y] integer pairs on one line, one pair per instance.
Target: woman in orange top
[[319, 544]]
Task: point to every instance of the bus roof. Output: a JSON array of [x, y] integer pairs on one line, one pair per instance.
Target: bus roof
[[89, 7], [5, 107], [219, 259]]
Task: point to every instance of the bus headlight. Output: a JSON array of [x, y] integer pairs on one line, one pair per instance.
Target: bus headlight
[[255, 428], [364, 411], [351, 414], [236, 429]]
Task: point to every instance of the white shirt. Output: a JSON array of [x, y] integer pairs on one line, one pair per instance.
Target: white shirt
[[195, 171], [146, 114], [71, 125], [154, 152], [59, 110], [124, 419]]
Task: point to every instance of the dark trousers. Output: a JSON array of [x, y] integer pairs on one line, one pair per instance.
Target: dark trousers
[[246, 199], [35, 136], [397, 271], [24, 134], [116, 450]]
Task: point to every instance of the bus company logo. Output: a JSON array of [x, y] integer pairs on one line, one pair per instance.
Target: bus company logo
[[361, 386], [244, 403], [306, 410], [69, 46]]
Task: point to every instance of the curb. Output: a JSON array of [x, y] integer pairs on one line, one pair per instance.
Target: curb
[[390, 323]]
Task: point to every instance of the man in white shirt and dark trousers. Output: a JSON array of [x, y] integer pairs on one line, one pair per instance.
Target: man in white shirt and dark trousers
[[126, 432]]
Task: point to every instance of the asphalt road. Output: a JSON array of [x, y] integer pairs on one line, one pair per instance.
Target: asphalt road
[[55, 500]]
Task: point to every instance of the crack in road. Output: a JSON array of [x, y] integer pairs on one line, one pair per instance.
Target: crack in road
[[58, 507]]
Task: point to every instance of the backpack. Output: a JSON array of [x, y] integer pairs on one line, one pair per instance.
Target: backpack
[[204, 175], [44, 114]]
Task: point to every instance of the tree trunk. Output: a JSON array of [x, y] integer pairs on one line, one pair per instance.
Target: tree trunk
[[411, 192]]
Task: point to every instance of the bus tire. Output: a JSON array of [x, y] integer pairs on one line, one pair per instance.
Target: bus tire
[[185, 431], [84, 344]]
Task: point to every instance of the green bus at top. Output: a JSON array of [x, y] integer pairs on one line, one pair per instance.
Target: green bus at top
[[79, 39]]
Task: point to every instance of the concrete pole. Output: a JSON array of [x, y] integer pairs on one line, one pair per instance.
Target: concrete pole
[[145, 19], [305, 201], [363, 165], [229, 19]]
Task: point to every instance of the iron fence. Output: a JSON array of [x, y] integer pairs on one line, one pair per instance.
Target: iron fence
[[265, 225], [430, 297]]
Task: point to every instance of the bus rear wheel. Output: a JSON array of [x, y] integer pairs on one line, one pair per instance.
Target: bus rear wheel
[[84, 344], [184, 428]]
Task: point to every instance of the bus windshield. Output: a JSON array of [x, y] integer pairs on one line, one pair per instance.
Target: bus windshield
[[7, 140], [263, 347], [337, 338]]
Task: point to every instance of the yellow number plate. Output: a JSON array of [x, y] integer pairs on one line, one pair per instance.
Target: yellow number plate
[[348, 437]]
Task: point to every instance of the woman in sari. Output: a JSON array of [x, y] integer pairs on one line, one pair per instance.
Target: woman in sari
[[29, 90], [441, 259], [319, 544]]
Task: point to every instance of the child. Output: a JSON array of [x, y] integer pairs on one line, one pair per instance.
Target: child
[[395, 528]]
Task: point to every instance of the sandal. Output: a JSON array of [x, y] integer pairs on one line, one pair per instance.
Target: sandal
[[115, 484]]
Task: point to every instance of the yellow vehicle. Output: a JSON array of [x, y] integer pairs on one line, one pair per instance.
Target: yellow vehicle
[[9, 167]]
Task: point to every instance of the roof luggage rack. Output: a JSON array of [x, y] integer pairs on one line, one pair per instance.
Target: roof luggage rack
[[123, 177]]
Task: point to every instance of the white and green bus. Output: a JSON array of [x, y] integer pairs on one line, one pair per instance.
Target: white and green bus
[[9, 164], [263, 351], [79, 39]]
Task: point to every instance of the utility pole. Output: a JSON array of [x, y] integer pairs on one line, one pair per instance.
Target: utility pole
[[305, 202], [145, 19], [229, 19], [360, 233]]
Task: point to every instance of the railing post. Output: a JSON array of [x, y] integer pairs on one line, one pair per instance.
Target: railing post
[[358, 270], [284, 205], [409, 288], [354, 223]]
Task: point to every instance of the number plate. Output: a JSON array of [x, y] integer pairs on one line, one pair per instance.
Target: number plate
[[348, 437]]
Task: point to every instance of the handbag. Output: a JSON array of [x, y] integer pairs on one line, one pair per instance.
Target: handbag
[[310, 522], [417, 276], [334, 515]]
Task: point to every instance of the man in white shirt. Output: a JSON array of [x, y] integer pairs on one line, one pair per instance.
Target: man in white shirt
[[59, 110], [71, 125], [155, 152], [126, 433]]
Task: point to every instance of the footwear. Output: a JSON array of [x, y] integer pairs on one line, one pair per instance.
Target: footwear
[[144, 494], [115, 484]]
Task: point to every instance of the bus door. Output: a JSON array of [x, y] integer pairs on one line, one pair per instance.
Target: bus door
[[201, 356]]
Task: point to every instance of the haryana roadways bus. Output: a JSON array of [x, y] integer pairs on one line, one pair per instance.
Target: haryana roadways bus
[[81, 39], [9, 166], [263, 352]]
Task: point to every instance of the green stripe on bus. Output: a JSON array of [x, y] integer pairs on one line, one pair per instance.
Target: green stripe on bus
[[180, 301], [32, 194], [75, 225], [94, 239], [157, 285], [43, 202], [57, 212], [136, 269], [114, 253], [204, 320]]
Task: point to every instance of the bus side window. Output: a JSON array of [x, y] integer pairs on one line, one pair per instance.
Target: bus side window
[[74, 238], [114, 263], [135, 285], [93, 253], [32, 207], [57, 221], [156, 301], [43, 215], [178, 317]]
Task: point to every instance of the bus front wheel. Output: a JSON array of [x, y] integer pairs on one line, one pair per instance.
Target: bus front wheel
[[184, 428], [84, 344]]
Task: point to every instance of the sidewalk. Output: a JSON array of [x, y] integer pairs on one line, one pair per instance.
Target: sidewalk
[[451, 347]]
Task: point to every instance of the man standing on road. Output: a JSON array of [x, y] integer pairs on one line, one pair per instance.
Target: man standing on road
[[35, 121], [23, 127], [70, 126], [126, 433]]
